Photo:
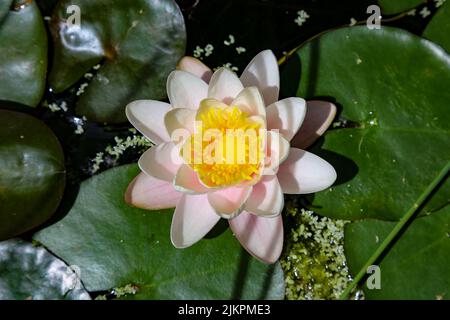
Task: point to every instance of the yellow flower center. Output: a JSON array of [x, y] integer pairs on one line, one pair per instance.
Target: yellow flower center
[[226, 148]]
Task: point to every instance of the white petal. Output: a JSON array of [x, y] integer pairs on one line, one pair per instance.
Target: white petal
[[185, 90], [263, 73], [192, 220], [287, 116], [161, 161], [196, 67], [304, 172], [250, 101], [149, 193], [224, 86], [180, 119], [187, 181], [229, 202], [267, 198], [319, 116], [277, 150], [261, 237], [147, 116]]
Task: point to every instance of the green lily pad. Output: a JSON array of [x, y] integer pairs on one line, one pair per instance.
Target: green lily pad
[[116, 245], [23, 54], [32, 173], [393, 90], [416, 267], [397, 6], [438, 28], [137, 44], [4, 8], [32, 273]]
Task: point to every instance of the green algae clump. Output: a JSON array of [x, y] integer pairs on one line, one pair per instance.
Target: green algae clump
[[313, 260]]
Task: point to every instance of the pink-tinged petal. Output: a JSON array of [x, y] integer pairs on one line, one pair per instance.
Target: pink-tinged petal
[[187, 181], [319, 116], [229, 202], [287, 116], [224, 86], [261, 237], [161, 161], [277, 150], [147, 116], [185, 90], [196, 67], [267, 198], [180, 119], [250, 101], [146, 192], [192, 220], [263, 73], [304, 172]]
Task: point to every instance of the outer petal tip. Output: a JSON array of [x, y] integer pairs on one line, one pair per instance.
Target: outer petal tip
[[261, 237], [263, 73], [286, 115], [185, 90], [192, 220], [149, 193], [196, 67], [304, 172], [224, 86], [319, 116], [128, 196], [147, 116], [161, 161]]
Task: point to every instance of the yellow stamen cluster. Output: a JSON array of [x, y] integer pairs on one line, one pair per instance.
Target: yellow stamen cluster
[[226, 148]]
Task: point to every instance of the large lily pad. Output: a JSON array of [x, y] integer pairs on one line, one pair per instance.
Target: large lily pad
[[32, 173], [23, 53], [116, 245], [438, 29], [32, 273], [397, 6], [393, 89], [137, 43], [417, 265]]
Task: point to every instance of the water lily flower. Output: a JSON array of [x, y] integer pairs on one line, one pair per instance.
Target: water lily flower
[[248, 194]]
